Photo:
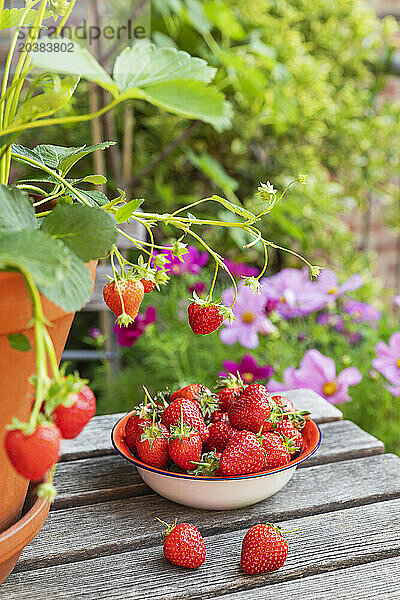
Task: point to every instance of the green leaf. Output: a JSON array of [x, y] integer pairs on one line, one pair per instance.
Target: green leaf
[[33, 251], [213, 169], [16, 211], [95, 198], [60, 158], [95, 179], [235, 208], [89, 232], [189, 99], [126, 211], [19, 342], [144, 65], [194, 13], [77, 62], [48, 102], [222, 16], [74, 289], [12, 17]]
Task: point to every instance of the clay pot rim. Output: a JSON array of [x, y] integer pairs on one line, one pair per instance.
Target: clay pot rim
[[15, 538]]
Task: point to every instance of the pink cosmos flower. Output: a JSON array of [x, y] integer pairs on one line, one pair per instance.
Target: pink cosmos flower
[[192, 261], [251, 318], [362, 311], [388, 362], [318, 372], [127, 336], [295, 293], [248, 369], [328, 283]]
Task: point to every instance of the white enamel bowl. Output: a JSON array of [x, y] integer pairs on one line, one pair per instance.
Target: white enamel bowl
[[216, 493]]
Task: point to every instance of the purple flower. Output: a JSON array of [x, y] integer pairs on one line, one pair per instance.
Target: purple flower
[[251, 319], [318, 372], [396, 299], [271, 305], [362, 311], [248, 369], [239, 269], [353, 338], [388, 361], [127, 336], [199, 287], [328, 283], [94, 333], [330, 319], [191, 262], [295, 294]]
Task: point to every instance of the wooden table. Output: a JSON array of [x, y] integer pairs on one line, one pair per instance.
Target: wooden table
[[102, 542]]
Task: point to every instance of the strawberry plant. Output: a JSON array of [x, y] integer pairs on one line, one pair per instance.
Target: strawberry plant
[[52, 224]]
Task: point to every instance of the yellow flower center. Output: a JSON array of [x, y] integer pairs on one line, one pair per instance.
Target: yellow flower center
[[329, 388], [283, 299], [332, 291], [398, 362], [248, 377], [247, 317]]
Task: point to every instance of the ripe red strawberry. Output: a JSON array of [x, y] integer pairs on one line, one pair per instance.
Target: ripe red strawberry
[[184, 445], [218, 416], [138, 419], [72, 418], [244, 454], [285, 403], [277, 450], [251, 408], [229, 391], [184, 545], [33, 455], [287, 429], [132, 292], [152, 445], [148, 286], [191, 415], [264, 549], [191, 392], [205, 318], [220, 436], [208, 465]]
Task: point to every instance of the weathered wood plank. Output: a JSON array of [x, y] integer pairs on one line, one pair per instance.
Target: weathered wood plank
[[95, 439], [116, 526], [103, 478], [379, 580], [325, 543]]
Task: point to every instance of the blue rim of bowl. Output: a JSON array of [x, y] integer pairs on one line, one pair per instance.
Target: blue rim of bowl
[[141, 465]]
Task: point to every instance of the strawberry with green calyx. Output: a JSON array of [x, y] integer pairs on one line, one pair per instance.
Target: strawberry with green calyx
[[283, 402], [124, 295], [152, 444], [191, 392], [278, 450], [243, 455], [205, 316], [264, 549], [140, 417], [207, 465], [183, 545], [33, 449], [251, 409], [220, 435], [287, 429], [184, 445], [146, 274], [191, 415], [228, 389]]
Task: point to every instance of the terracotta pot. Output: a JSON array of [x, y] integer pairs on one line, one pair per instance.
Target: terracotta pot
[[15, 369], [14, 539]]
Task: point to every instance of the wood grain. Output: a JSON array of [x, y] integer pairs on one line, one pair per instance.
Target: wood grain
[[117, 526], [95, 439], [98, 479], [325, 543]]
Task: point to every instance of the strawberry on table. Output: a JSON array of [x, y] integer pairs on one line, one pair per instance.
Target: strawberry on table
[[191, 415], [152, 445], [220, 435], [229, 389], [278, 450], [243, 455], [184, 445], [251, 409], [184, 545], [264, 549], [131, 291], [72, 415], [33, 454]]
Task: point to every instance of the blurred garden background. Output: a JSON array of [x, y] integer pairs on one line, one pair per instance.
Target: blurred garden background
[[315, 89]]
